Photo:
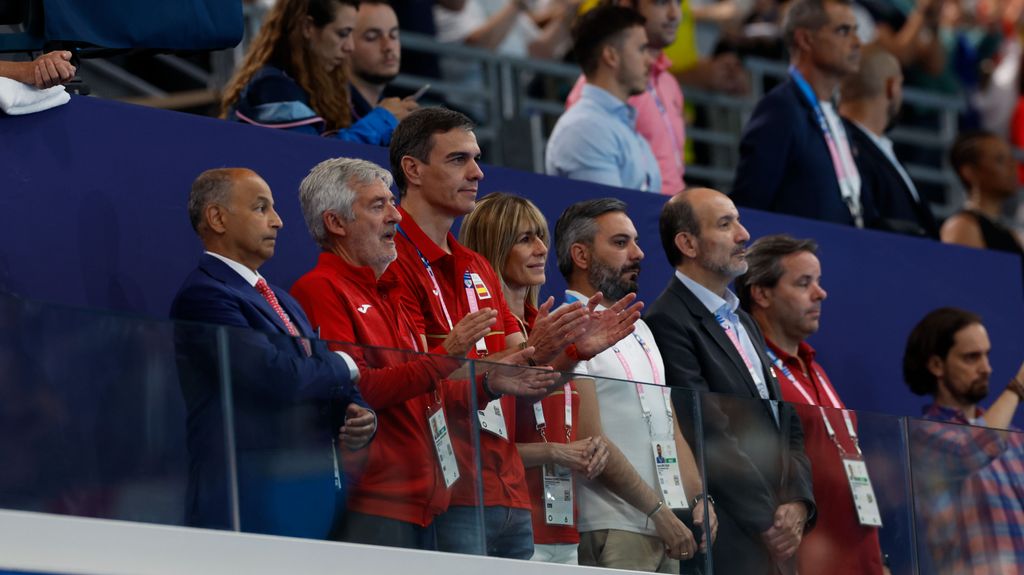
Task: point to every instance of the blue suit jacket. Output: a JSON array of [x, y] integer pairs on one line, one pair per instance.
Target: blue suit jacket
[[896, 209], [286, 407], [785, 165]]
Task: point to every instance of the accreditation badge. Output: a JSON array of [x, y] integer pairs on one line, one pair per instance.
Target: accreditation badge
[[492, 420], [558, 495], [670, 480], [443, 445], [864, 499]]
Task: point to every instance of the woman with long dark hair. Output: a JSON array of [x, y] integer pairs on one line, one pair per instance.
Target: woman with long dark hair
[[295, 76]]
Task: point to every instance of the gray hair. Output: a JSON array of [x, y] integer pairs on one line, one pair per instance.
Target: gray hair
[[330, 187], [806, 15], [578, 225], [210, 187], [764, 263]]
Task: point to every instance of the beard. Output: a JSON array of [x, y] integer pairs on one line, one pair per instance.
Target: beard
[[610, 281], [724, 268], [375, 79], [976, 392]]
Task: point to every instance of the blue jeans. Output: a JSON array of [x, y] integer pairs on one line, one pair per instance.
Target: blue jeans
[[508, 531]]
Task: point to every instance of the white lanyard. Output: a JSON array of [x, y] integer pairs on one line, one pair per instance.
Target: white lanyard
[[850, 429], [845, 169], [538, 414], [641, 388]]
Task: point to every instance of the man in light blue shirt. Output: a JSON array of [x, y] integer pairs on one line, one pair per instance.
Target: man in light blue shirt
[[596, 140]]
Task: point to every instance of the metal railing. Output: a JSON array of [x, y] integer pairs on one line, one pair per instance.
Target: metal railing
[[514, 129]]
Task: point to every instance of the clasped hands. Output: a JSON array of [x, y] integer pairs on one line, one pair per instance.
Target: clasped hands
[[786, 532]]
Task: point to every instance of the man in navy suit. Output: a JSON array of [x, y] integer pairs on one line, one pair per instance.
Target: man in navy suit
[[871, 100], [289, 398], [794, 154]]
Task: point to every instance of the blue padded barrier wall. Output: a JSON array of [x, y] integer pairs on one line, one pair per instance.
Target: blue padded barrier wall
[[94, 198], [160, 24]]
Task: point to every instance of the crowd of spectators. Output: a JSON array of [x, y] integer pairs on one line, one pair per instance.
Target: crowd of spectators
[[576, 465], [584, 468]]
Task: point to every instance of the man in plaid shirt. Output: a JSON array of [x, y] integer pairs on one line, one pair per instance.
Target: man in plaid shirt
[[968, 478]]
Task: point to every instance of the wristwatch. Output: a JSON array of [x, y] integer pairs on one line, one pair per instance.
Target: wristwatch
[[700, 496]]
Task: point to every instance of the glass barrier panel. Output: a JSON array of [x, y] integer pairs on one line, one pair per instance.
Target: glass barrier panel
[[771, 466], [639, 513], [968, 500], [322, 456], [94, 417], [861, 490]]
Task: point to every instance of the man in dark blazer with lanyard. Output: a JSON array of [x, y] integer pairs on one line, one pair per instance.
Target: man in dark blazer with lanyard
[[871, 100], [290, 399], [754, 458], [794, 154]]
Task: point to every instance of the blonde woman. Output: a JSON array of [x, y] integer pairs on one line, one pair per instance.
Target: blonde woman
[[512, 234]]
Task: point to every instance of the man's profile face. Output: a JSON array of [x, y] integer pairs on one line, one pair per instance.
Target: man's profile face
[[370, 240], [450, 180], [376, 56], [722, 245], [794, 303], [662, 21], [835, 47], [250, 222], [964, 372], [615, 257], [635, 61]]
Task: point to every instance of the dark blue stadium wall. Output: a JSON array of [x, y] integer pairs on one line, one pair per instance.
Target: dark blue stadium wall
[[94, 198]]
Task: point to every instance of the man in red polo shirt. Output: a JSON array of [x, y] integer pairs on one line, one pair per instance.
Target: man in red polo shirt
[[405, 479], [434, 157], [782, 291]]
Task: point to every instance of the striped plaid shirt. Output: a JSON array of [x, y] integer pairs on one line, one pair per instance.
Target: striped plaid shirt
[[969, 490]]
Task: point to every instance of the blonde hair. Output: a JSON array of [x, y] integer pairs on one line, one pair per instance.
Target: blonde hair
[[280, 42], [492, 227]]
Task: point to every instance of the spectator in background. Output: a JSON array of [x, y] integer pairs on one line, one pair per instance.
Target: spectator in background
[[627, 515], [985, 165], [782, 291], [376, 55], [46, 71], [967, 480], [518, 28], [757, 470], [596, 140], [659, 109], [417, 16], [405, 480], [295, 76], [871, 101], [290, 394], [795, 157], [722, 72], [913, 38]]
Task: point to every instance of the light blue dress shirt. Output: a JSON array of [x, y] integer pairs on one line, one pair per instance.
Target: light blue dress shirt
[[596, 140], [726, 308]]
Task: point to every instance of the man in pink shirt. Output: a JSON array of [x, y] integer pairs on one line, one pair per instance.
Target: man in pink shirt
[[659, 110]]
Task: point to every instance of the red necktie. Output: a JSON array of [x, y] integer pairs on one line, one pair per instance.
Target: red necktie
[[268, 294]]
